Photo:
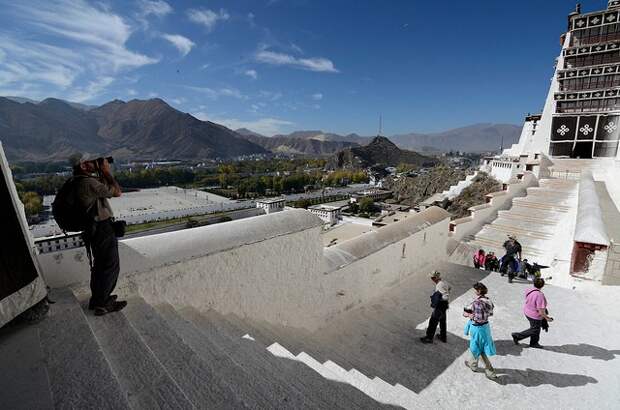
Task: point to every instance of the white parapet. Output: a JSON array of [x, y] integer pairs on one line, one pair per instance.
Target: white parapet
[[270, 267], [590, 227]]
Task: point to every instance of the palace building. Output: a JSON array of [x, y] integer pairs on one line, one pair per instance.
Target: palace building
[[582, 112]]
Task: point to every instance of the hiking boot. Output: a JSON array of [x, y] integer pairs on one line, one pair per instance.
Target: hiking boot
[[490, 374], [91, 306], [515, 339], [110, 308], [426, 340], [472, 367], [442, 339], [537, 346]]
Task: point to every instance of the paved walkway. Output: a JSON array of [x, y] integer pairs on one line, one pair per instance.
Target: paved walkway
[[579, 369]]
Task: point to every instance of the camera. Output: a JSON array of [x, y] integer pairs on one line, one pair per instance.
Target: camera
[[100, 160]]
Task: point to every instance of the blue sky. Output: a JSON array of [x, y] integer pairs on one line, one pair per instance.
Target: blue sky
[[283, 65]]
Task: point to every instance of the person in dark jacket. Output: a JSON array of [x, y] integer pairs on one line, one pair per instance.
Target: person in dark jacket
[[92, 194], [439, 302]]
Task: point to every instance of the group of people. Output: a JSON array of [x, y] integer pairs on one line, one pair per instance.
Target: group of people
[[510, 264], [477, 327], [486, 261]]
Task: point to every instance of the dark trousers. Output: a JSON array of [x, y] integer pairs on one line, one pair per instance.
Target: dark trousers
[[533, 332], [105, 269], [438, 317]]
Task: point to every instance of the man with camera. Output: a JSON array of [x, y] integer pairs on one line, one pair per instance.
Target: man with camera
[[94, 185]]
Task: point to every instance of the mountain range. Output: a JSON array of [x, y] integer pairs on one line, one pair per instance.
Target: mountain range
[[139, 129], [53, 129]]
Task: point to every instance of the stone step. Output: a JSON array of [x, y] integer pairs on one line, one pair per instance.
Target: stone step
[[80, 378], [529, 203], [258, 364], [333, 394], [519, 231], [196, 379], [527, 217], [142, 376], [26, 384], [501, 233], [249, 390]]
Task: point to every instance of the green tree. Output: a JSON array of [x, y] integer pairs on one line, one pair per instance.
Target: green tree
[[33, 204], [366, 205]]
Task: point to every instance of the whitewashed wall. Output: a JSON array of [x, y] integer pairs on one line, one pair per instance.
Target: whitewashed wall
[[363, 268], [270, 267]]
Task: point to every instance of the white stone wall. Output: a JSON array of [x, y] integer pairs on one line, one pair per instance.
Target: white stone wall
[[270, 267], [368, 277]]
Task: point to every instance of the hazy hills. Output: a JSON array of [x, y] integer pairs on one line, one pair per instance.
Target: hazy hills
[[295, 145], [471, 138], [150, 129]]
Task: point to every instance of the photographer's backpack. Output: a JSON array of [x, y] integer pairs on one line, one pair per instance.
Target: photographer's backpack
[[68, 213]]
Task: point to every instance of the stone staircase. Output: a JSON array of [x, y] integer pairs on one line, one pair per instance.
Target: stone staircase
[[148, 357], [534, 219]]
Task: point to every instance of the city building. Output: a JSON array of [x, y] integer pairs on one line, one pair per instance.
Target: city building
[[271, 205], [373, 193], [328, 213]]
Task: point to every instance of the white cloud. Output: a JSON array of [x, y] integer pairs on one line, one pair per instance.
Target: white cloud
[[270, 95], [215, 93], [131, 92], [153, 95], [317, 96], [91, 90], [183, 44], [251, 19], [157, 8], [94, 48], [206, 17], [296, 48], [318, 64], [265, 126], [252, 74], [178, 101]]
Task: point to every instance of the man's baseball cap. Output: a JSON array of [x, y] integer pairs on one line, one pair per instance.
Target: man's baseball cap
[[436, 275], [77, 158]]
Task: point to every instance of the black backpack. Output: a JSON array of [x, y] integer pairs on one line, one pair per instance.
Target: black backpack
[[68, 213]]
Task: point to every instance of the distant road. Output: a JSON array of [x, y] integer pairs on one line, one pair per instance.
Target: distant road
[[240, 214]]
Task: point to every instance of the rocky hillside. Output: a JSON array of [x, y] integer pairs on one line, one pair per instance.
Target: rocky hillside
[[413, 190], [150, 129], [380, 151], [473, 195], [294, 145]]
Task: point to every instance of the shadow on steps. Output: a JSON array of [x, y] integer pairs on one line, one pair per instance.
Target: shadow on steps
[[381, 339]]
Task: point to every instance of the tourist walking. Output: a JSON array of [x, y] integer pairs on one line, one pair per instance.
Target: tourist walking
[[479, 259], [479, 331], [94, 185], [535, 310], [440, 300]]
